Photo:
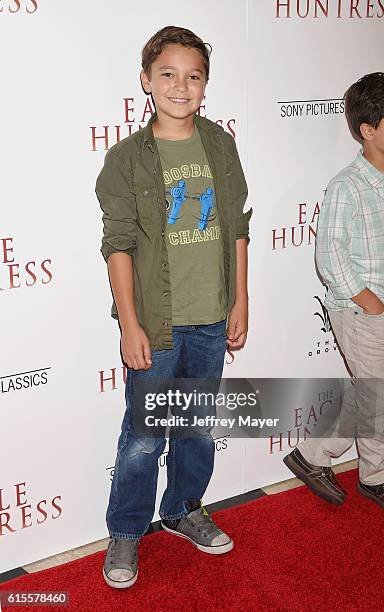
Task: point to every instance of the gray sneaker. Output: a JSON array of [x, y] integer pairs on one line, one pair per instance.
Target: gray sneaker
[[201, 530], [120, 565]]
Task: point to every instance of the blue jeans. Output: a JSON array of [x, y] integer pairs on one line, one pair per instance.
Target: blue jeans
[[198, 352]]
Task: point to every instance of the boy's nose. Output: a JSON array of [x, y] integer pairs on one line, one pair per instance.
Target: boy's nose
[[180, 84]]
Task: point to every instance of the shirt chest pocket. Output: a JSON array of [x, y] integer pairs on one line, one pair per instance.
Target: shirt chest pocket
[[146, 203]]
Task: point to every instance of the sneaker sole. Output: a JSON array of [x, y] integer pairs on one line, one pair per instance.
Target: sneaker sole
[[370, 496], [116, 584], [211, 550], [301, 475]]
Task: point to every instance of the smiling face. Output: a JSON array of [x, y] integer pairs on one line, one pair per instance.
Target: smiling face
[[177, 82]]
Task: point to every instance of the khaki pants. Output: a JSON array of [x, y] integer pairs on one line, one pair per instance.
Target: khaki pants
[[361, 339]]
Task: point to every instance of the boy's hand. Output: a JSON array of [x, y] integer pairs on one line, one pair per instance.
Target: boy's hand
[[135, 348], [369, 302], [237, 325], [375, 311]]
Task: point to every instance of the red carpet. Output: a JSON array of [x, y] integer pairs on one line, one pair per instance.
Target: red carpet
[[293, 552]]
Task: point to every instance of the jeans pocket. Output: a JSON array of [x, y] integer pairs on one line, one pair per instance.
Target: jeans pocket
[[214, 330], [373, 316]]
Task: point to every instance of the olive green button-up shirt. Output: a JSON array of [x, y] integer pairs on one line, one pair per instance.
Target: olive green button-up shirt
[[131, 192]]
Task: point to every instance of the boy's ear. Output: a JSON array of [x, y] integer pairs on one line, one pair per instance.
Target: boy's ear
[[367, 131], [145, 82]]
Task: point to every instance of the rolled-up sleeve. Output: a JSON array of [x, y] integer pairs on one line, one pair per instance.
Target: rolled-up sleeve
[[333, 242], [119, 208], [239, 193]]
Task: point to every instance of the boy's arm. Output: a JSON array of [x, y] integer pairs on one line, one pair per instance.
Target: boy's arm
[[239, 194], [135, 346], [333, 238], [120, 271], [119, 208], [242, 271], [238, 320], [119, 243]]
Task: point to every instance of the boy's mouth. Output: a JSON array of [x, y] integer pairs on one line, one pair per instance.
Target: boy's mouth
[[179, 100]]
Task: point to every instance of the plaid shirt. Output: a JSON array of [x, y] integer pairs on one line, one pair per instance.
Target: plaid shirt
[[350, 234]]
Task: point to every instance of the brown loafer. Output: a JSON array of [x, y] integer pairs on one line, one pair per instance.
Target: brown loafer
[[373, 492], [333, 478], [320, 479]]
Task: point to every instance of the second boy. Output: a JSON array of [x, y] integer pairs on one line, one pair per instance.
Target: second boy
[[350, 258]]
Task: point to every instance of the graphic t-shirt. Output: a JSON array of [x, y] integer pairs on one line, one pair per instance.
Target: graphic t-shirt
[[193, 236]]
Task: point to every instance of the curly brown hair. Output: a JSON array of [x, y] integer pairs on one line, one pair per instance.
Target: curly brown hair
[[173, 35]]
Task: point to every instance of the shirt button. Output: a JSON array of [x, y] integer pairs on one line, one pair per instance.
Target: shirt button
[[165, 323], [162, 232], [145, 192], [165, 293], [164, 265]]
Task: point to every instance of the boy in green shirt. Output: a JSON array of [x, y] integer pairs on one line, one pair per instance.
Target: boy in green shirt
[[175, 239]]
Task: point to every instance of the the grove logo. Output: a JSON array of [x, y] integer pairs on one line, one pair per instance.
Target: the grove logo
[[135, 117], [14, 274], [324, 317], [17, 513], [323, 9], [19, 6], [325, 342]]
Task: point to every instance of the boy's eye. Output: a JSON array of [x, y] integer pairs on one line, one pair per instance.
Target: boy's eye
[[194, 76], [167, 74]]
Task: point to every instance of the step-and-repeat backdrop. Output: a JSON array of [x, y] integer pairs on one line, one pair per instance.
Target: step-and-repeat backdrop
[[71, 89]]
